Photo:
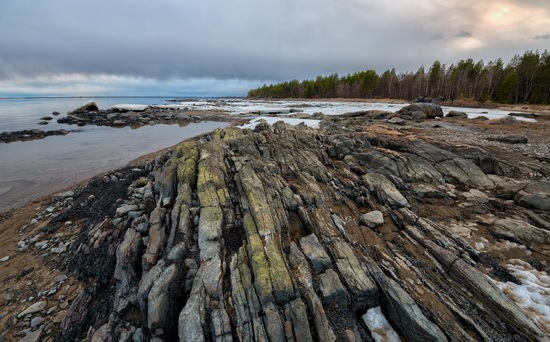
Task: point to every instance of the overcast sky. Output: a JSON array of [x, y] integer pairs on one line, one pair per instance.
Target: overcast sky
[[205, 47]]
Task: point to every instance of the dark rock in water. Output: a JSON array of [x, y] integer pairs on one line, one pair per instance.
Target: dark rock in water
[[27, 135], [46, 118], [510, 139], [524, 115], [456, 114], [43, 123], [55, 113], [86, 107]]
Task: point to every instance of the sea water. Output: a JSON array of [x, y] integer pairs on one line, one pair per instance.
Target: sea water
[[34, 168]]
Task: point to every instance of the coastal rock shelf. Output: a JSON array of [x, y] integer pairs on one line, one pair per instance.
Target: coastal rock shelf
[[29, 134], [290, 233], [138, 115]]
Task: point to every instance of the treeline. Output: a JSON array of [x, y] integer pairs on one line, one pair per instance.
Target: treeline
[[525, 79]]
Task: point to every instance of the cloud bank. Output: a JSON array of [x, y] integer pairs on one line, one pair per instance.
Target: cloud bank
[[166, 43]]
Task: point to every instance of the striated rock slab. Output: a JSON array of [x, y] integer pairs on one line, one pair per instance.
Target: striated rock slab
[[289, 233]]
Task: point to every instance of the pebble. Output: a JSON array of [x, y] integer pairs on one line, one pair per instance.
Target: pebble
[[60, 278], [4, 259], [36, 307], [52, 310], [41, 244], [8, 296], [60, 316], [125, 209], [479, 196], [34, 221], [373, 219], [36, 321]]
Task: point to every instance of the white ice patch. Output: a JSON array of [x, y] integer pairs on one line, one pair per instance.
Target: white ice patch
[[130, 107], [271, 121], [247, 106], [380, 328], [533, 295]]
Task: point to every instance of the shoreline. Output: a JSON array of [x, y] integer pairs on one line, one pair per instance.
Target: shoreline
[[219, 115], [56, 219]]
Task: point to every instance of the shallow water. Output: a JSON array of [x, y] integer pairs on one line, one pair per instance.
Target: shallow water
[[32, 169], [25, 113]]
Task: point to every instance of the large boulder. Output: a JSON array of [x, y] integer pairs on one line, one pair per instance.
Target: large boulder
[[431, 110], [89, 106]]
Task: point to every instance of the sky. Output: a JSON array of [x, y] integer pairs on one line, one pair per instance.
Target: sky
[[225, 48]]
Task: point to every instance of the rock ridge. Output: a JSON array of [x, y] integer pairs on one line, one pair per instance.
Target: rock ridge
[[290, 233]]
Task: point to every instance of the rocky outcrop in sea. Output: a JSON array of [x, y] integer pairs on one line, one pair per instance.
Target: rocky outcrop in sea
[[356, 231]]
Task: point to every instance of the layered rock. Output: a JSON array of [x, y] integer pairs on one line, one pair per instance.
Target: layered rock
[[293, 234]]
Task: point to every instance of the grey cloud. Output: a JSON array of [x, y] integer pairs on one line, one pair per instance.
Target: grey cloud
[[241, 39], [463, 34], [546, 36]]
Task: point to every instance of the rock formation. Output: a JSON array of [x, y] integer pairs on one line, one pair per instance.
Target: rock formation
[[288, 233]]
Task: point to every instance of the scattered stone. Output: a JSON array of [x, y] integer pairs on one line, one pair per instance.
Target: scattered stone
[[125, 209], [510, 139], [36, 321], [456, 114], [4, 259], [396, 121], [372, 219], [479, 196], [36, 307]]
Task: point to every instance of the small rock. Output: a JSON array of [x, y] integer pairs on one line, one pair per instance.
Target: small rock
[[60, 278], [60, 316], [134, 214], [396, 121], [456, 114], [8, 296], [36, 307], [510, 139], [34, 221], [36, 321], [373, 219], [4, 259], [479, 196], [125, 209]]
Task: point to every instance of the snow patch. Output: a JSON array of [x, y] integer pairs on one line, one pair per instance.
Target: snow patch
[[533, 295], [130, 107], [272, 120], [380, 328]]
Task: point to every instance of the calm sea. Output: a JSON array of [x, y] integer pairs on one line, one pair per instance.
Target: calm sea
[[32, 169], [25, 113]]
